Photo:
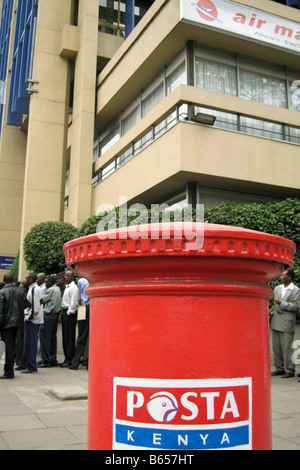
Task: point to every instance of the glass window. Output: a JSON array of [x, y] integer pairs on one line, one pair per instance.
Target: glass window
[[130, 119], [261, 128], [262, 88], [223, 120], [152, 99], [215, 76], [108, 139], [293, 135], [176, 78], [111, 16], [294, 94]]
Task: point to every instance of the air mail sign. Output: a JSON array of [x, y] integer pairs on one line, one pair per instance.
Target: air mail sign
[[239, 20], [182, 414]]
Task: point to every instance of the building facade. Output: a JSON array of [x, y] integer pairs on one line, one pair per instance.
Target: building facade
[[166, 101]]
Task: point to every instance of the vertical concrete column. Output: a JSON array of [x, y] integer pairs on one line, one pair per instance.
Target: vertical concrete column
[[83, 114], [47, 124], [12, 164]]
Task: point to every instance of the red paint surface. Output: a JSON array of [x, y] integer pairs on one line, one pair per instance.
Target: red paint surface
[[166, 313]]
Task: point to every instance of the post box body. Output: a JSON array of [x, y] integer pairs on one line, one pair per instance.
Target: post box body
[[179, 339]]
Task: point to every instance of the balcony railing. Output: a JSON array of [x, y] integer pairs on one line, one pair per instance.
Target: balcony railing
[[176, 109]]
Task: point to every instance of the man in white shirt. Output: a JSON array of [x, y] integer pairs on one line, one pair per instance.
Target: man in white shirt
[[283, 321], [33, 318], [69, 318]]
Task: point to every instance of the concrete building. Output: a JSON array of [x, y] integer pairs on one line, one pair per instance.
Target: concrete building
[[170, 101]]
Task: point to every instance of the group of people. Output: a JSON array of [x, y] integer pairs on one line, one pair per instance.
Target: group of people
[[29, 315]]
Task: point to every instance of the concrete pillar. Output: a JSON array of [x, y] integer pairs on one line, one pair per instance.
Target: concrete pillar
[[83, 114], [47, 125]]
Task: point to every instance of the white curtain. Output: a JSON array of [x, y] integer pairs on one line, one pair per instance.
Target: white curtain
[[215, 76], [262, 88]]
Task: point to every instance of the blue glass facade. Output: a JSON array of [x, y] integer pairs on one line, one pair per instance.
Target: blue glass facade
[[289, 3], [19, 98], [5, 27]]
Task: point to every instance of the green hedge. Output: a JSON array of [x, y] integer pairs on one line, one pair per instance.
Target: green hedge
[[278, 218]]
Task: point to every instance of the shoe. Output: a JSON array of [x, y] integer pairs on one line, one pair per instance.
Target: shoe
[[298, 375], [277, 372], [288, 375], [44, 365], [6, 376], [28, 371], [64, 364], [19, 368], [73, 367]]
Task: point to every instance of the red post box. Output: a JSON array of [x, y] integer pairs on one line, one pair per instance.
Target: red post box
[[179, 336]]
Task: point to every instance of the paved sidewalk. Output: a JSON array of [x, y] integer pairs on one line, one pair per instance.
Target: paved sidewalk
[[33, 415]]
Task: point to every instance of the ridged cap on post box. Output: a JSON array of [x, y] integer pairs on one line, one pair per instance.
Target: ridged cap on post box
[[180, 239]]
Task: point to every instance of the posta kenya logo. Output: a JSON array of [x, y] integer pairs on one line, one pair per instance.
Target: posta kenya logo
[[207, 10], [182, 414]]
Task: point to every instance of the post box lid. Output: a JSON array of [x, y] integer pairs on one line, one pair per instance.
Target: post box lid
[[189, 239]]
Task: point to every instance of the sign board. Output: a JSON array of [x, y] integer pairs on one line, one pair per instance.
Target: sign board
[[243, 21], [6, 262], [182, 414]]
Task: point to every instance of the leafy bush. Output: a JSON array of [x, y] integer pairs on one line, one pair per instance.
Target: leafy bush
[[278, 218], [43, 246]]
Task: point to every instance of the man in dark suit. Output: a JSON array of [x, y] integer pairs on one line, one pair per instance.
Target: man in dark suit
[[283, 322], [12, 305]]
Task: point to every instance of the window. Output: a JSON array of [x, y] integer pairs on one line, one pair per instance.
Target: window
[[112, 16], [165, 82], [259, 87], [246, 78], [294, 94], [215, 76]]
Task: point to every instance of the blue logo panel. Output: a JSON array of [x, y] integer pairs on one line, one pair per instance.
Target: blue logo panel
[[200, 439]]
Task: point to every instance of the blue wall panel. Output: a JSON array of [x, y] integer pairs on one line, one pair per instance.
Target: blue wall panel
[[5, 28], [19, 99]]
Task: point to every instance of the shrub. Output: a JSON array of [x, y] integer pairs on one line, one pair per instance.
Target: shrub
[[43, 246]]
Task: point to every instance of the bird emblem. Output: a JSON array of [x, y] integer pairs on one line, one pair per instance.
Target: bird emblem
[[162, 407]]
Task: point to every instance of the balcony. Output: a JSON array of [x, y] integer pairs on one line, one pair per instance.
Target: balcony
[[234, 115]]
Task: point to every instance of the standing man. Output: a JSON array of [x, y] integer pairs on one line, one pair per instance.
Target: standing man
[[83, 324], [287, 304], [33, 319], [69, 318], [40, 280], [48, 331], [12, 305]]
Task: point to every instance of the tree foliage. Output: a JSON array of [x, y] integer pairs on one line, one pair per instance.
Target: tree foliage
[[43, 246], [280, 218], [277, 218]]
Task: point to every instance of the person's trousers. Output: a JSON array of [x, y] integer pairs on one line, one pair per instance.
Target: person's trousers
[[48, 339], [83, 333], [68, 335], [283, 351], [9, 336], [28, 360]]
